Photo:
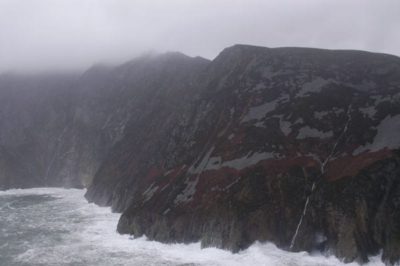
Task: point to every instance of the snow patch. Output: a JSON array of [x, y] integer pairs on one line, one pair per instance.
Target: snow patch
[[191, 183], [365, 85], [308, 132], [259, 124], [188, 192], [299, 121], [369, 111], [314, 86], [285, 127], [387, 136], [149, 192], [320, 114], [338, 111], [240, 163], [200, 166], [260, 111], [380, 99], [259, 87]]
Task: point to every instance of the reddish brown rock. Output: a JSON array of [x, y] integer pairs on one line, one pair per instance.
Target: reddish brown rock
[[268, 132]]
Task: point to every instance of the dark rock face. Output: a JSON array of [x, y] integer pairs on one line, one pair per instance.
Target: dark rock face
[[291, 145], [55, 130], [35, 130], [261, 137]]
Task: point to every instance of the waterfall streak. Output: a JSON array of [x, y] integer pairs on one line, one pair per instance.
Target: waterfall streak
[[330, 156]]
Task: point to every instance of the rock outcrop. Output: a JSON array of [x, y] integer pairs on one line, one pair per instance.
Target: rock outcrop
[[294, 146], [56, 129], [291, 145]]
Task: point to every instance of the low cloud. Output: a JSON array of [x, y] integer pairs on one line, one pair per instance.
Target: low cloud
[[73, 34]]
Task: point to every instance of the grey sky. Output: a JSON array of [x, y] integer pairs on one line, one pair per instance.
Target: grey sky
[[43, 34]]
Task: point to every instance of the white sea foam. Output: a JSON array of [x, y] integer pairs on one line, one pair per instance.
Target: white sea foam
[[84, 234]]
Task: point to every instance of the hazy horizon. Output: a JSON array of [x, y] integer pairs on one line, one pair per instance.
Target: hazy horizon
[[48, 35]]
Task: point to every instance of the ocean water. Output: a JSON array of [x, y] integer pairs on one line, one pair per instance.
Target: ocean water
[[48, 226]]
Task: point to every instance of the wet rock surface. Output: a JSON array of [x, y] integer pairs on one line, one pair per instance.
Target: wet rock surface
[[242, 158], [291, 145]]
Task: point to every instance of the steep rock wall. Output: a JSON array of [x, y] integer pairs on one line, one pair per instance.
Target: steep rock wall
[[291, 145], [271, 149], [56, 129]]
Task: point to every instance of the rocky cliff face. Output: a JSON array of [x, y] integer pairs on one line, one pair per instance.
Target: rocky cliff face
[[55, 130], [291, 145], [34, 125], [294, 146]]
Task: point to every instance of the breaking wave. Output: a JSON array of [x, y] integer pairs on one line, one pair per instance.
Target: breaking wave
[[52, 226]]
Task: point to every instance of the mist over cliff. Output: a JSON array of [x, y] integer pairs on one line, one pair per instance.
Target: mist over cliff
[[296, 146]]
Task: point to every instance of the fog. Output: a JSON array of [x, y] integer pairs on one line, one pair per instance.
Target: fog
[[74, 34]]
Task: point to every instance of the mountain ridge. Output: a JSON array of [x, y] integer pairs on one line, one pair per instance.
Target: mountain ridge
[[296, 146]]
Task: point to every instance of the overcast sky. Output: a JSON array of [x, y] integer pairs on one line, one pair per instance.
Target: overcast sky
[[43, 34]]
